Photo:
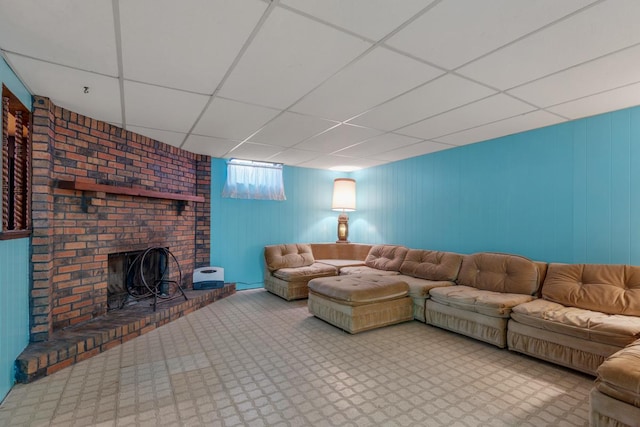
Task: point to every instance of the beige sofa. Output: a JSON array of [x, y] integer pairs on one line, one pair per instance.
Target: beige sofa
[[582, 316], [488, 287], [289, 267], [587, 313]]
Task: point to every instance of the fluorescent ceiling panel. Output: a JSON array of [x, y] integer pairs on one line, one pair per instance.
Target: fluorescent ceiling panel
[[438, 96], [596, 31], [337, 138], [215, 147], [77, 34], [373, 79], [488, 110], [288, 58], [372, 19], [290, 128], [189, 51], [463, 30], [535, 119], [161, 108], [65, 87], [232, 120]]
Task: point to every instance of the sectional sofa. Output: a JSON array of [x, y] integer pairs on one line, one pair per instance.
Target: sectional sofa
[[582, 316]]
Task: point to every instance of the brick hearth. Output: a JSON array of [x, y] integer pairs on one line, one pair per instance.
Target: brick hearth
[[80, 342]]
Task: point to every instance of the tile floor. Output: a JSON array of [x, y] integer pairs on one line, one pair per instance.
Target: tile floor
[[253, 359]]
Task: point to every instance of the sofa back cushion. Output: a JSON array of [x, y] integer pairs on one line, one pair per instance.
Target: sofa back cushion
[[351, 251], [431, 265], [611, 289], [288, 256], [386, 257], [499, 273]]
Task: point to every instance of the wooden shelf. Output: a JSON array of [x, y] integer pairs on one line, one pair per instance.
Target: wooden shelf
[[128, 191]]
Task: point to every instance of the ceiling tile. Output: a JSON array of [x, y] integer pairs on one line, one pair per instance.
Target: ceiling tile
[[414, 150], [373, 79], [229, 119], [189, 51], [327, 162], [612, 100], [278, 69], [292, 156], [171, 138], [378, 144], [290, 128], [587, 79], [603, 28], [157, 107], [496, 107], [521, 123], [337, 138], [372, 19], [254, 151], [465, 29], [440, 95], [65, 87], [78, 34], [215, 147]]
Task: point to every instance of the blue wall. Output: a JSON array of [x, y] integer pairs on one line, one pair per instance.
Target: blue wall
[[14, 307], [565, 193], [241, 228], [14, 276]]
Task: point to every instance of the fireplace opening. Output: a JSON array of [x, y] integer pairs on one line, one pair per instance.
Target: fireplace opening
[[136, 275]]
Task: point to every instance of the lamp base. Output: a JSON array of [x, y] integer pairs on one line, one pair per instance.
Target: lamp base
[[343, 228]]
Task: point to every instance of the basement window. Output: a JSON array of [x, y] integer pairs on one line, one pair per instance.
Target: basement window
[[247, 179], [16, 177]]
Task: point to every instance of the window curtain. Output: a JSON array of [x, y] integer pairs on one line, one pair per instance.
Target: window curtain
[[254, 180]]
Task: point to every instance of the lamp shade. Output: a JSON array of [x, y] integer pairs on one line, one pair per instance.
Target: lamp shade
[[344, 195]]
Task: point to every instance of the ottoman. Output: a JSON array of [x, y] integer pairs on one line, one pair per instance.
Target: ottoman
[[358, 303]]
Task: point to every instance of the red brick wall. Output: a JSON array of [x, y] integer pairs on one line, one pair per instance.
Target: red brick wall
[[71, 246]]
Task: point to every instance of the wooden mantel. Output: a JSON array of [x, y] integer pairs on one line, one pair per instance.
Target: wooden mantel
[[128, 191]]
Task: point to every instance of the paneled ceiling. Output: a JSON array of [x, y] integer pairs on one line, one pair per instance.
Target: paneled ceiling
[[326, 83]]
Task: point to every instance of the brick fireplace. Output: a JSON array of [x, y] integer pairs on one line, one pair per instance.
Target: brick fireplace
[[76, 225]]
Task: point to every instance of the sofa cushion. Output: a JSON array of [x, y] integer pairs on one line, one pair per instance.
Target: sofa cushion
[[494, 304], [305, 273], [499, 273], [419, 288], [363, 269], [619, 375], [386, 257], [612, 329], [431, 265], [356, 290], [613, 289], [288, 256]]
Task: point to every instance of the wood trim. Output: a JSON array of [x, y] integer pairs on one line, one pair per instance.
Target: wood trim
[[128, 191], [14, 234]]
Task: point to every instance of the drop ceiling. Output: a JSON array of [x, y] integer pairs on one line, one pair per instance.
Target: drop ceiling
[[326, 83]]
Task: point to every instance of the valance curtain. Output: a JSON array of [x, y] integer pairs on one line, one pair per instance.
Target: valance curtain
[[254, 180]]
